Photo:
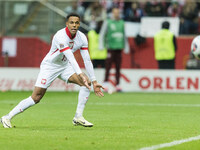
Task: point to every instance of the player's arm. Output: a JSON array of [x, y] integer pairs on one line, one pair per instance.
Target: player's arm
[[70, 56], [88, 63], [90, 70]]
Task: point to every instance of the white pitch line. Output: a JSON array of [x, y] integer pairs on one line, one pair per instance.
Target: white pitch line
[[155, 147]]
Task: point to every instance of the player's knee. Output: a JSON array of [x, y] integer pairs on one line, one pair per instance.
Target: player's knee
[[37, 94], [37, 98]]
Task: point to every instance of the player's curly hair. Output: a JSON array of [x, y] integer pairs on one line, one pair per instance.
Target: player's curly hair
[[72, 15]]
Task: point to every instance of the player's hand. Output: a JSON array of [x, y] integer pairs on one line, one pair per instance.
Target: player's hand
[[97, 89], [84, 80]]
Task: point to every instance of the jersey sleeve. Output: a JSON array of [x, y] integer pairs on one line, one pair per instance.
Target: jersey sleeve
[[70, 56], [85, 42], [59, 42], [86, 58]]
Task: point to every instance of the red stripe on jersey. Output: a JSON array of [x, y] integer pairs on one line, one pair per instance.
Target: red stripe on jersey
[[84, 48], [54, 52], [69, 34], [62, 50]]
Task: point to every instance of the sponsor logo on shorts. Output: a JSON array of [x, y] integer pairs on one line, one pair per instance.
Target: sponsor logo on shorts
[[43, 81]]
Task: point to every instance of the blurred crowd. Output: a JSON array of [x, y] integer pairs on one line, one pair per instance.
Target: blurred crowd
[[94, 12]]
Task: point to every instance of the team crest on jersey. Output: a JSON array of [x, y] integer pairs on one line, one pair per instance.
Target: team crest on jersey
[[71, 44], [44, 81], [61, 45]]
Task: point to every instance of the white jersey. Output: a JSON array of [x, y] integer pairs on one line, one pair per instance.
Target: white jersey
[[62, 48]]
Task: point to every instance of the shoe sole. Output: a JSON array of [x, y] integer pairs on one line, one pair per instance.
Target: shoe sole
[[79, 124]]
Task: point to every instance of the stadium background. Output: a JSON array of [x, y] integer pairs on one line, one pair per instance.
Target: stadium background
[[135, 119]]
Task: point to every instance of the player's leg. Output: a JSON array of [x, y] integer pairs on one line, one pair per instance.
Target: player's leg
[[161, 64], [170, 64], [46, 76], [82, 100], [83, 94], [37, 95], [70, 76], [102, 62], [118, 60]]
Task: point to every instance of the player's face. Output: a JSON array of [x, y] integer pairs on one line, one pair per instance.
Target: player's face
[[73, 24]]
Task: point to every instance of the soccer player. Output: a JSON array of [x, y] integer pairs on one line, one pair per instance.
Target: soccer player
[[60, 62]]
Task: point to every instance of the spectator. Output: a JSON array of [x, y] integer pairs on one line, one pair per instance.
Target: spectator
[[133, 13], [113, 33], [118, 3], [75, 8], [180, 2], [154, 8], [97, 56], [165, 47], [94, 13], [107, 4], [189, 18], [174, 10]]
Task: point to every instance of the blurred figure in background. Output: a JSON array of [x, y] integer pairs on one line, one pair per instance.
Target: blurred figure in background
[[174, 10], [113, 34], [75, 7], [109, 4], [154, 8], [94, 13], [97, 56], [133, 13], [165, 47], [189, 18]]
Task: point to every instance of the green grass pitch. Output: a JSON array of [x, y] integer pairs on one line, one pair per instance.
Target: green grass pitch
[[122, 121]]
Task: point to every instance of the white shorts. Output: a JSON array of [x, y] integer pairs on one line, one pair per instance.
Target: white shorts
[[48, 73]]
